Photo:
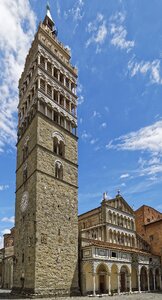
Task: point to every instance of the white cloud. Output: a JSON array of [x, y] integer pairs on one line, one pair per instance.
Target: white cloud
[[148, 139], [119, 33], [93, 141], [107, 109], [9, 220], [98, 31], [85, 136], [104, 125], [76, 12], [124, 176], [80, 93], [150, 68], [96, 114], [4, 187], [17, 25], [58, 8]]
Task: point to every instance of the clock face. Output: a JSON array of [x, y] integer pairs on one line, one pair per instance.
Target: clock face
[[24, 201]]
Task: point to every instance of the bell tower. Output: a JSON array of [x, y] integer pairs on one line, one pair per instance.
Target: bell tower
[[46, 237]]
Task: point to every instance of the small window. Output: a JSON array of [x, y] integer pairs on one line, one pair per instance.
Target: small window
[[113, 254], [148, 220], [151, 238], [58, 170]]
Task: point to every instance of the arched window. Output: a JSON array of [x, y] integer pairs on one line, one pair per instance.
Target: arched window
[[58, 144], [58, 170]]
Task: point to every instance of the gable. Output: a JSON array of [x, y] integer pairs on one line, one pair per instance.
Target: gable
[[121, 204]]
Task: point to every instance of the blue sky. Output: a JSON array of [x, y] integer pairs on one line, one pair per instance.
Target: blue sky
[[116, 46]]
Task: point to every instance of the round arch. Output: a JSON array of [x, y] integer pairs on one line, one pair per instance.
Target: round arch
[[102, 283], [124, 282], [143, 279]]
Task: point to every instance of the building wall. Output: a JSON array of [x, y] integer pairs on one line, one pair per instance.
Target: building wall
[[149, 226]]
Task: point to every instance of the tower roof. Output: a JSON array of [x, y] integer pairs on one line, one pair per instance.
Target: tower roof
[[48, 13], [48, 18]]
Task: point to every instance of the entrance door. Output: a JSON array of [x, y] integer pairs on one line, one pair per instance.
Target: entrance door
[[102, 284], [122, 281]]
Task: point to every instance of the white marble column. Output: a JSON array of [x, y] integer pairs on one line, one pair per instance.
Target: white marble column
[[148, 281], [160, 281], [139, 283], [109, 284], [130, 282], [94, 284], [118, 275], [154, 280]]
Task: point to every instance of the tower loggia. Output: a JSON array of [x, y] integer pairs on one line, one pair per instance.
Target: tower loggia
[[46, 234]]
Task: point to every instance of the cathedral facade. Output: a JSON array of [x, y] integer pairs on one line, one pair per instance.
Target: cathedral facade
[[114, 258], [55, 252]]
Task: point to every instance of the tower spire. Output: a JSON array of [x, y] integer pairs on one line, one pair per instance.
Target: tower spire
[[48, 13]]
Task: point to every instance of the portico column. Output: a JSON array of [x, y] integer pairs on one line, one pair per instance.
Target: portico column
[[118, 274], [160, 281], [148, 280], [130, 283], [154, 280], [139, 283], [109, 284], [94, 284]]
